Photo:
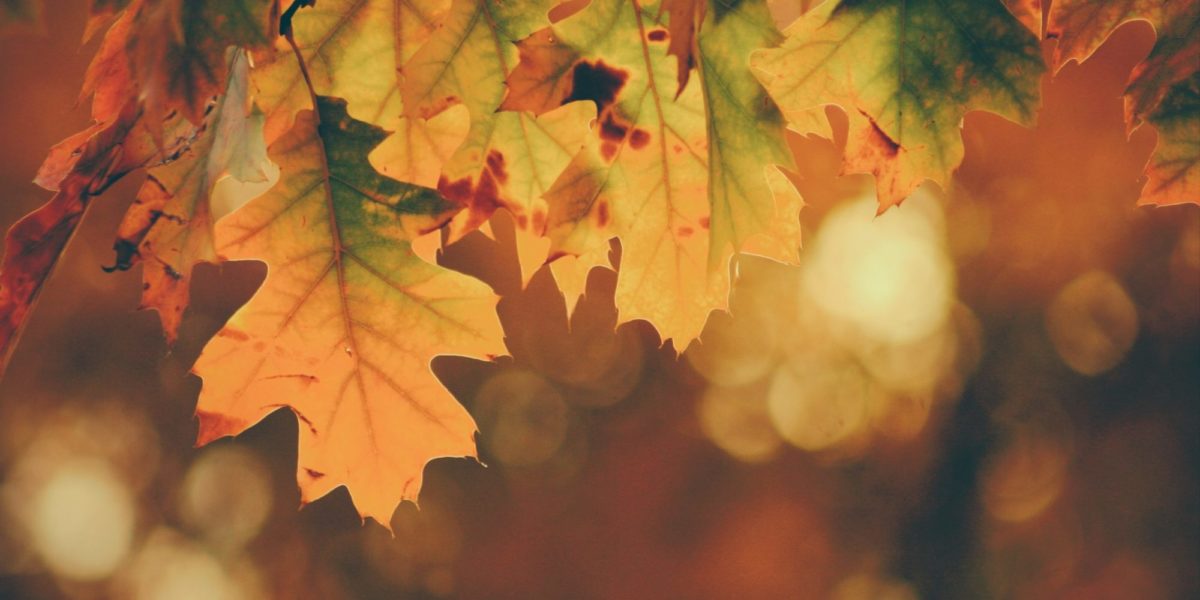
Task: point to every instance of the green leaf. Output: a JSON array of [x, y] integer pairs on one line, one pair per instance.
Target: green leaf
[[1174, 169], [906, 71]]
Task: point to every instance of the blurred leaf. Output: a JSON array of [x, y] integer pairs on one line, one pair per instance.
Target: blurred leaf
[[20, 15]]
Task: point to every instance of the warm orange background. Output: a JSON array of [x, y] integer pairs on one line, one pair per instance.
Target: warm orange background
[[613, 472]]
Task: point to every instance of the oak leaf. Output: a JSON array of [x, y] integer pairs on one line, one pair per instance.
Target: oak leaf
[[1161, 89], [683, 179], [177, 49], [905, 72], [344, 327], [1173, 171], [508, 159], [169, 226], [33, 245]]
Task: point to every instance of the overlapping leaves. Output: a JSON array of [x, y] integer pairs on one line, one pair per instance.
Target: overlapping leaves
[[659, 125]]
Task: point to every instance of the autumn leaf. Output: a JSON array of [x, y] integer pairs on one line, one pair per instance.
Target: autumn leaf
[[344, 327], [33, 245], [467, 59], [101, 14], [149, 64], [905, 72], [1174, 58], [685, 19], [1174, 169], [169, 225], [110, 84], [508, 159], [681, 179], [352, 49], [1029, 12], [1080, 26], [754, 207], [177, 49]]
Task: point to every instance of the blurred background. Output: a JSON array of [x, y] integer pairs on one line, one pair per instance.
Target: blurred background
[[988, 392]]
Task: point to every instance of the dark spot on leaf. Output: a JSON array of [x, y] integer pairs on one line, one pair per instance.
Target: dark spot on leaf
[[602, 216], [480, 199], [882, 140], [597, 82], [313, 473], [611, 129], [458, 191], [639, 138], [495, 164], [233, 334], [608, 150], [539, 221], [686, 231], [657, 35], [704, 222]]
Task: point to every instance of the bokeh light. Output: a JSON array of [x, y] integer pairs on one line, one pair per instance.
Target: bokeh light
[[1092, 323], [865, 335], [171, 567], [888, 277], [1027, 472], [864, 586], [523, 416], [226, 496], [83, 520], [737, 421], [735, 351], [420, 556], [817, 401]]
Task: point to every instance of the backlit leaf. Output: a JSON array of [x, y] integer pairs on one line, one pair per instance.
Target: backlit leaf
[[680, 179], [1174, 168], [169, 226], [33, 245], [1080, 26], [508, 159], [1174, 58], [177, 49], [906, 71], [353, 50], [344, 327]]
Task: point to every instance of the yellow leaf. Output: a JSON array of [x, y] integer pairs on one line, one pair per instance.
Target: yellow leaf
[[344, 327]]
